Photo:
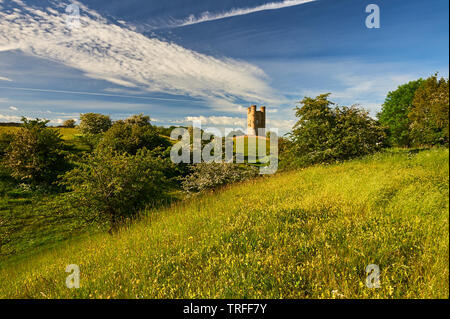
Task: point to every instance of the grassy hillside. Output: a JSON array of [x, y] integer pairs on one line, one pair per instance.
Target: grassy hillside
[[67, 133], [302, 234], [32, 219]]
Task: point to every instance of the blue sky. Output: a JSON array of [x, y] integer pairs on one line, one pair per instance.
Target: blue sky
[[184, 60]]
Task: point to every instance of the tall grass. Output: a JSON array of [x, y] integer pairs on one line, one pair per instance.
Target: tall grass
[[303, 234]]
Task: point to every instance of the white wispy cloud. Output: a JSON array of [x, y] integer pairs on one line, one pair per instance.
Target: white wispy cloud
[[9, 118], [57, 121], [238, 122], [208, 16], [97, 93], [119, 55], [13, 108], [2, 78], [367, 91], [218, 120]]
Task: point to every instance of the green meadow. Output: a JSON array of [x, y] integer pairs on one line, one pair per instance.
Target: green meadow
[[67, 133], [308, 233]]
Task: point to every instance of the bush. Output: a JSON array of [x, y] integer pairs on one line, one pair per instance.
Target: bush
[[111, 187], [36, 154], [126, 137], [429, 115], [94, 123], [324, 134], [206, 176], [69, 123]]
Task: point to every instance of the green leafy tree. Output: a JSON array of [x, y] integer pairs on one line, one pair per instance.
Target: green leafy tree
[[36, 154], [327, 133], [286, 153], [126, 137], [395, 110], [94, 123], [112, 187], [429, 115], [140, 120], [69, 123]]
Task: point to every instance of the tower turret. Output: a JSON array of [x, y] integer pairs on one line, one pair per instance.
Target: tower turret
[[256, 120]]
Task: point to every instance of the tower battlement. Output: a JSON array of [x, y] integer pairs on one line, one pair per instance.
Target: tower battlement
[[256, 120]]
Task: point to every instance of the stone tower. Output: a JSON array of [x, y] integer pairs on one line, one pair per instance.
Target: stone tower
[[256, 120]]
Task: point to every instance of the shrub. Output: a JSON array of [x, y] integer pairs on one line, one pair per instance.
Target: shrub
[[94, 123], [206, 176], [36, 154], [126, 137], [429, 115], [111, 187], [324, 134], [69, 123]]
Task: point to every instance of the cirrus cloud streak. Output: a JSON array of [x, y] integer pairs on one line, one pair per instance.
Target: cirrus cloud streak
[[119, 55], [207, 16]]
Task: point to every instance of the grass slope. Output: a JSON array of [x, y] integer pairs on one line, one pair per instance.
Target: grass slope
[[302, 234], [25, 215]]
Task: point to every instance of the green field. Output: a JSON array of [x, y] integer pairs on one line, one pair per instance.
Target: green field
[[303, 234], [67, 133]]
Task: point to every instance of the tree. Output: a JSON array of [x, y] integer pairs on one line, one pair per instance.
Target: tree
[[69, 123], [94, 123], [36, 154], [429, 115], [126, 137], [139, 120], [286, 153], [395, 110], [324, 134], [111, 187]]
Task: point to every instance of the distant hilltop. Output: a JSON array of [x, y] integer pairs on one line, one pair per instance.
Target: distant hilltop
[[10, 124]]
